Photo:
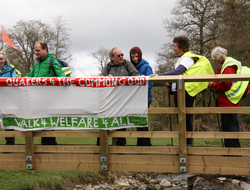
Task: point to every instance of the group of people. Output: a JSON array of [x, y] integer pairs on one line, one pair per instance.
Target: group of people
[[229, 92]]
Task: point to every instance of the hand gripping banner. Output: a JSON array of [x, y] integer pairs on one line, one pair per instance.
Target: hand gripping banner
[[73, 103]]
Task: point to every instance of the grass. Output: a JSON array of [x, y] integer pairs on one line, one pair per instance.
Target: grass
[[23, 180], [130, 141]]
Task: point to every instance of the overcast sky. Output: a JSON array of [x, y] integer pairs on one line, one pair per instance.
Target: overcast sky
[[95, 23]]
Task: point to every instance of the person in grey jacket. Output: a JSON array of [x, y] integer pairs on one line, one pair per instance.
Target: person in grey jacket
[[118, 67]]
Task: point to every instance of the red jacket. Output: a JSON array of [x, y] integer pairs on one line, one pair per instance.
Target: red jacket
[[221, 87]]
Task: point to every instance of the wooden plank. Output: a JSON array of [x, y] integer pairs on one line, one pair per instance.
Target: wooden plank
[[144, 150], [87, 162], [219, 161], [218, 151], [201, 110], [226, 135], [17, 165], [66, 158], [13, 157], [12, 148], [13, 161], [67, 149], [162, 110], [144, 163], [139, 167], [146, 159], [218, 110], [161, 80], [218, 170], [218, 165], [66, 134], [12, 134], [75, 166], [145, 134]]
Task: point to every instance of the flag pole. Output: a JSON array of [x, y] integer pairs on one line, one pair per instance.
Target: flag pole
[[3, 48], [3, 42]]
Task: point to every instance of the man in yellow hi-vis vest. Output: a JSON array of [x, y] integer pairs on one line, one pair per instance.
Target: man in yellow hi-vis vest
[[229, 93]]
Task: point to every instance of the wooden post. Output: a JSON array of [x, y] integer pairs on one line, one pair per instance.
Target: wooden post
[[182, 124], [193, 119], [114, 141], [104, 149], [29, 144]]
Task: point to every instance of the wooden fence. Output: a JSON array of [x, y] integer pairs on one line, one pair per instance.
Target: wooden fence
[[170, 159]]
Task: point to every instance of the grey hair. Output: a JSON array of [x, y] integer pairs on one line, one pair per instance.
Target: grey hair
[[218, 53], [112, 52]]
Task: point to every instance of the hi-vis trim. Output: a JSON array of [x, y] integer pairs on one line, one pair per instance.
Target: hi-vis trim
[[227, 63], [240, 71]]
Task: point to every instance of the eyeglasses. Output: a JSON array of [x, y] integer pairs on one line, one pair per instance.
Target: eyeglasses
[[120, 55]]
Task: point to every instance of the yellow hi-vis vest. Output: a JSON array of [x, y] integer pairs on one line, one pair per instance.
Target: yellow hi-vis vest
[[201, 66], [238, 88]]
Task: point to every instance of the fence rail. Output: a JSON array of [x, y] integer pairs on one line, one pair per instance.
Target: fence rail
[[171, 159]]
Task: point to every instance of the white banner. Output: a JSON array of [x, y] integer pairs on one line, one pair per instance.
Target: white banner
[[73, 103]]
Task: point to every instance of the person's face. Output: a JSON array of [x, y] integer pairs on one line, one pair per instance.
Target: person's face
[[117, 58], [2, 60], [40, 53], [177, 50], [135, 58]]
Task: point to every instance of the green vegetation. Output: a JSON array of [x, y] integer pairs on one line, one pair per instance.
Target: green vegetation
[[23, 180]]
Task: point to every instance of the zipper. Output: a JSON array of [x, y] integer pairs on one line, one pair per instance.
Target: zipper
[[38, 69]]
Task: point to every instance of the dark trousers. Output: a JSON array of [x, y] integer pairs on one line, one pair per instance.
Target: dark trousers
[[143, 141], [10, 140], [230, 123], [48, 140], [121, 141], [189, 103]]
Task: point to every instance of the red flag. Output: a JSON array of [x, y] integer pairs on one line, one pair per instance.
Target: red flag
[[7, 39]]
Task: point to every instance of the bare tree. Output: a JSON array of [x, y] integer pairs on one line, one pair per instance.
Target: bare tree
[[101, 56], [26, 33], [61, 42], [196, 19], [235, 30]]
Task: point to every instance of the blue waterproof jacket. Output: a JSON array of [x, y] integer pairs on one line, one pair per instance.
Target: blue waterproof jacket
[[5, 72], [144, 69]]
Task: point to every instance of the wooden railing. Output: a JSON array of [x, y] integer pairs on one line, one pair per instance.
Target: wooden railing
[[170, 159]]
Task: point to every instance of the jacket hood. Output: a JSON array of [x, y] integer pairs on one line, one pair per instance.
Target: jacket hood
[[138, 50]]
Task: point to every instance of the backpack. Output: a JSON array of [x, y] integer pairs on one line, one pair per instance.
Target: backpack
[[63, 65], [124, 63]]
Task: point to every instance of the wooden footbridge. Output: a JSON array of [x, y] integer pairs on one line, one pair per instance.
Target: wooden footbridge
[[170, 159]]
